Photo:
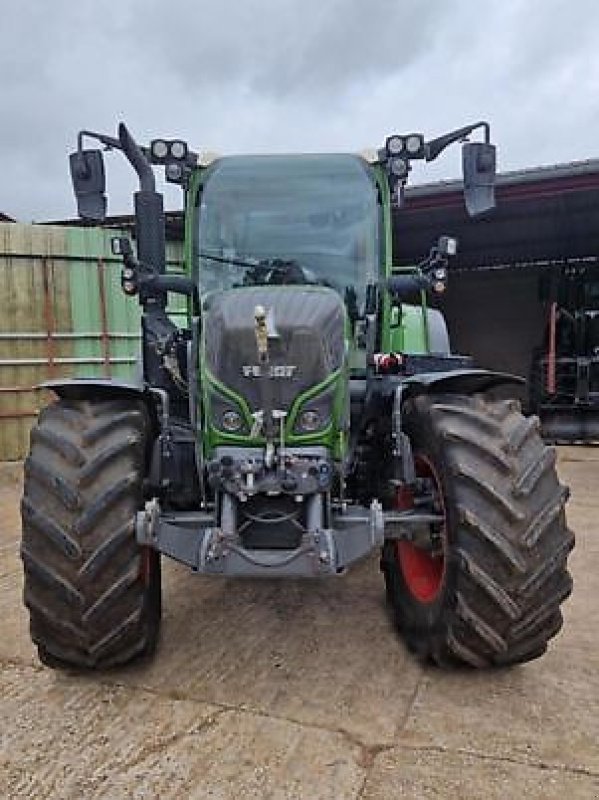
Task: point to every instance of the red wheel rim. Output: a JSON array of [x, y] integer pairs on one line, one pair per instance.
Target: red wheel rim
[[424, 572], [145, 567]]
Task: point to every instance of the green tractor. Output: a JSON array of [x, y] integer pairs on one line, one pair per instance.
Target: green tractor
[[307, 413]]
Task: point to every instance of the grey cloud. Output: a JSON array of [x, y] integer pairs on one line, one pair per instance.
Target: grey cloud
[[281, 75], [283, 47]]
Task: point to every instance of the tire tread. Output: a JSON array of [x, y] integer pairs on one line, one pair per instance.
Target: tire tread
[[90, 606], [509, 542]]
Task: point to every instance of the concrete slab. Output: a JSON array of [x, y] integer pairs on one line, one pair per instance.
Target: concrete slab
[[10, 522], [319, 653], [428, 775], [545, 712], [245, 755], [76, 737], [302, 690], [9, 562], [15, 644]]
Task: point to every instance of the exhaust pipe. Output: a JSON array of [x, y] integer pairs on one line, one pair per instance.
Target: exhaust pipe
[[149, 208]]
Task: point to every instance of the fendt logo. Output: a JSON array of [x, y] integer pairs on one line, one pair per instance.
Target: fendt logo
[[274, 371]]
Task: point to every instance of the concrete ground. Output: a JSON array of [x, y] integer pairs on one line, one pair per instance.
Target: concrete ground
[[302, 690]]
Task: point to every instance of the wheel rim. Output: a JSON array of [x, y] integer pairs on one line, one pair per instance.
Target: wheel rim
[[424, 572], [145, 568]]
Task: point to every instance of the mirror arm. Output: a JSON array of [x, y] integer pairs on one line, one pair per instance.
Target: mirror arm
[[108, 141], [436, 146], [135, 154]]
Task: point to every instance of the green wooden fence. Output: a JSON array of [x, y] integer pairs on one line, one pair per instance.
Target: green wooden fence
[[62, 314]]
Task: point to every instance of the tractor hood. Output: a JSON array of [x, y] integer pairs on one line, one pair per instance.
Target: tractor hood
[[306, 340]]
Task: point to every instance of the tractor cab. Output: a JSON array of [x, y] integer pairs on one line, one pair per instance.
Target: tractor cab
[[312, 219]]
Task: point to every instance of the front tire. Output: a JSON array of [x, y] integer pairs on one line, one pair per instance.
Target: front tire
[[92, 592], [488, 590]]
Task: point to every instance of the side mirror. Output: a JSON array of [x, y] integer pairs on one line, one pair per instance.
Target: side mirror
[[479, 167], [89, 184]]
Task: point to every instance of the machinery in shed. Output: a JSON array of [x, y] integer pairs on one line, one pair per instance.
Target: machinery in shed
[[564, 377], [529, 275]]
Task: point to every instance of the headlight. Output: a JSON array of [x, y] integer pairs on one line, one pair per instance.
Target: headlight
[[129, 287], [232, 421], [398, 167], [414, 144], [447, 245], [316, 413], [173, 172], [159, 148], [225, 414], [178, 149], [394, 145]]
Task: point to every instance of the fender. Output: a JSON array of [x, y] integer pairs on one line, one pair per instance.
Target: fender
[[77, 388], [155, 400], [173, 450], [465, 380], [458, 381], [367, 395]]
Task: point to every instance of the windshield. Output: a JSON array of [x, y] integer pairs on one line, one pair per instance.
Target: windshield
[[317, 214]]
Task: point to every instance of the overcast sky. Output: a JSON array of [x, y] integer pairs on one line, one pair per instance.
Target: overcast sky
[[288, 75]]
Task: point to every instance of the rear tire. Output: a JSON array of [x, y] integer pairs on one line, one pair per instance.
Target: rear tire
[[93, 593], [491, 593]]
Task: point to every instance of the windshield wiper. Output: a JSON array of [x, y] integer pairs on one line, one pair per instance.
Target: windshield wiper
[[268, 270], [236, 262]]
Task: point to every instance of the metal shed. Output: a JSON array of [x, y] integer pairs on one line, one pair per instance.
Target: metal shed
[[545, 217]]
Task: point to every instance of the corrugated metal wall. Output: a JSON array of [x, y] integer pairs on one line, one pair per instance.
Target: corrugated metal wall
[[63, 314], [496, 317]]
